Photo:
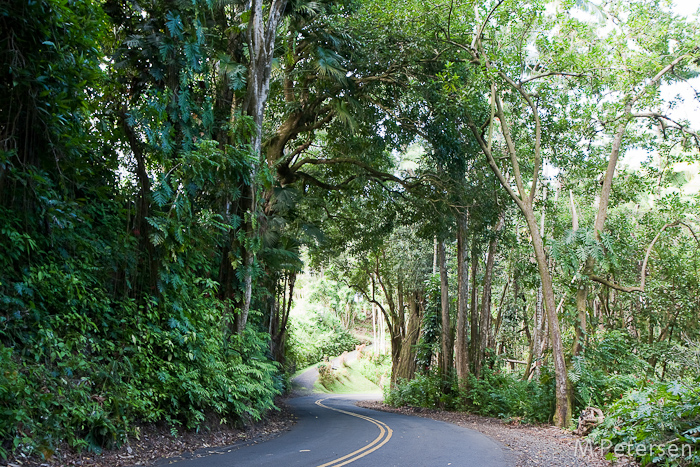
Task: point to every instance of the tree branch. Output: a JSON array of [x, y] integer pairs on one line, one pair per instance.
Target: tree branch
[[642, 283], [553, 73], [326, 186], [662, 119], [378, 174]]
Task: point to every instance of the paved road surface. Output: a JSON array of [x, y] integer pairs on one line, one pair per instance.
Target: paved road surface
[[332, 431]]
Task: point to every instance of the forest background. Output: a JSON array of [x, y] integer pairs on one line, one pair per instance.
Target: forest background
[[164, 165]]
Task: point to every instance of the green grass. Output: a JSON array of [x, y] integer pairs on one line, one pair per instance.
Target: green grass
[[349, 381]]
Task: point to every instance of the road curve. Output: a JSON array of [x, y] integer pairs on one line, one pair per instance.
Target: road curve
[[331, 431]]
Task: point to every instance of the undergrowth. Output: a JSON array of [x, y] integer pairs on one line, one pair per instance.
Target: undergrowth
[[658, 425], [315, 337], [497, 394], [88, 375]]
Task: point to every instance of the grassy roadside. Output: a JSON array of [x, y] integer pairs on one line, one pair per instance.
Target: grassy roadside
[[347, 379]]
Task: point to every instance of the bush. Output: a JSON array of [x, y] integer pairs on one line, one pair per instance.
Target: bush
[[374, 367], [608, 368], [497, 394], [424, 390], [326, 375], [88, 375], [659, 425], [505, 395], [312, 338]]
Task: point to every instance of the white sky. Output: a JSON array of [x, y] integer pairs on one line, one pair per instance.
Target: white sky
[[690, 108]]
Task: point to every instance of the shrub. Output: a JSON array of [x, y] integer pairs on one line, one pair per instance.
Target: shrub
[[608, 368], [326, 375], [497, 394], [374, 367], [425, 390], [88, 375], [312, 338], [505, 395], [658, 425]]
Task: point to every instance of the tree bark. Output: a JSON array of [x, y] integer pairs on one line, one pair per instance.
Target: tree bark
[[499, 315], [580, 325], [261, 47], [474, 307], [563, 396], [447, 345], [407, 359], [141, 228], [486, 318], [280, 318], [462, 350]]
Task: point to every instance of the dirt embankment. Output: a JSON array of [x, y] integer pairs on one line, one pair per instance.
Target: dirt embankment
[[156, 445]]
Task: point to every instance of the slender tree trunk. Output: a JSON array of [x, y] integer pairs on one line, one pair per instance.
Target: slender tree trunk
[[486, 318], [580, 325], [538, 333], [435, 255], [473, 309], [462, 351], [375, 338], [400, 316], [278, 332], [532, 345], [148, 269], [563, 412], [447, 346], [485, 313], [499, 315]]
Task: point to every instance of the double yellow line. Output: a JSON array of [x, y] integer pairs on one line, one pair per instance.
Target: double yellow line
[[384, 436]]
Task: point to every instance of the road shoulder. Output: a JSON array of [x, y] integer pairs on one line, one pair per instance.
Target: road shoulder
[[528, 445]]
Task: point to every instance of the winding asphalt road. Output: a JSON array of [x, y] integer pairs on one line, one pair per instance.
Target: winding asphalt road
[[331, 431]]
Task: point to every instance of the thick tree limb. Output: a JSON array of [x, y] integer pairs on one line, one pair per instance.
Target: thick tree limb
[[377, 174], [326, 186]]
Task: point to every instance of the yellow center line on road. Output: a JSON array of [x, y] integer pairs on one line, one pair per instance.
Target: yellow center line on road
[[384, 436]]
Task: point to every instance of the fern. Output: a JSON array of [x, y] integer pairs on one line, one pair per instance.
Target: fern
[[174, 24]]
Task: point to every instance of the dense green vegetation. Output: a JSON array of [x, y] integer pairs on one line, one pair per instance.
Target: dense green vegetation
[[454, 176]]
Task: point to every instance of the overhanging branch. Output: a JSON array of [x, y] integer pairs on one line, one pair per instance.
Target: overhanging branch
[[642, 282]]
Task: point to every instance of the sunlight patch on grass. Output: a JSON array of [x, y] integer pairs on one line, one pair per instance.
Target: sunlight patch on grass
[[348, 380]]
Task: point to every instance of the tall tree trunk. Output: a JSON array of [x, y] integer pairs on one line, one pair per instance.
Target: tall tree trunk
[[462, 351], [473, 308], [407, 359], [278, 324], [538, 331], [485, 319], [435, 255], [261, 47], [499, 315], [447, 346], [563, 396], [400, 316], [580, 325], [148, 272], [375, 337]]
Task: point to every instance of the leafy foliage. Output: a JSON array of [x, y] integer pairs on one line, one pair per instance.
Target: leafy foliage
[[608, 368], [313, 338], [658, 424], [496, 394], [106, 321]]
